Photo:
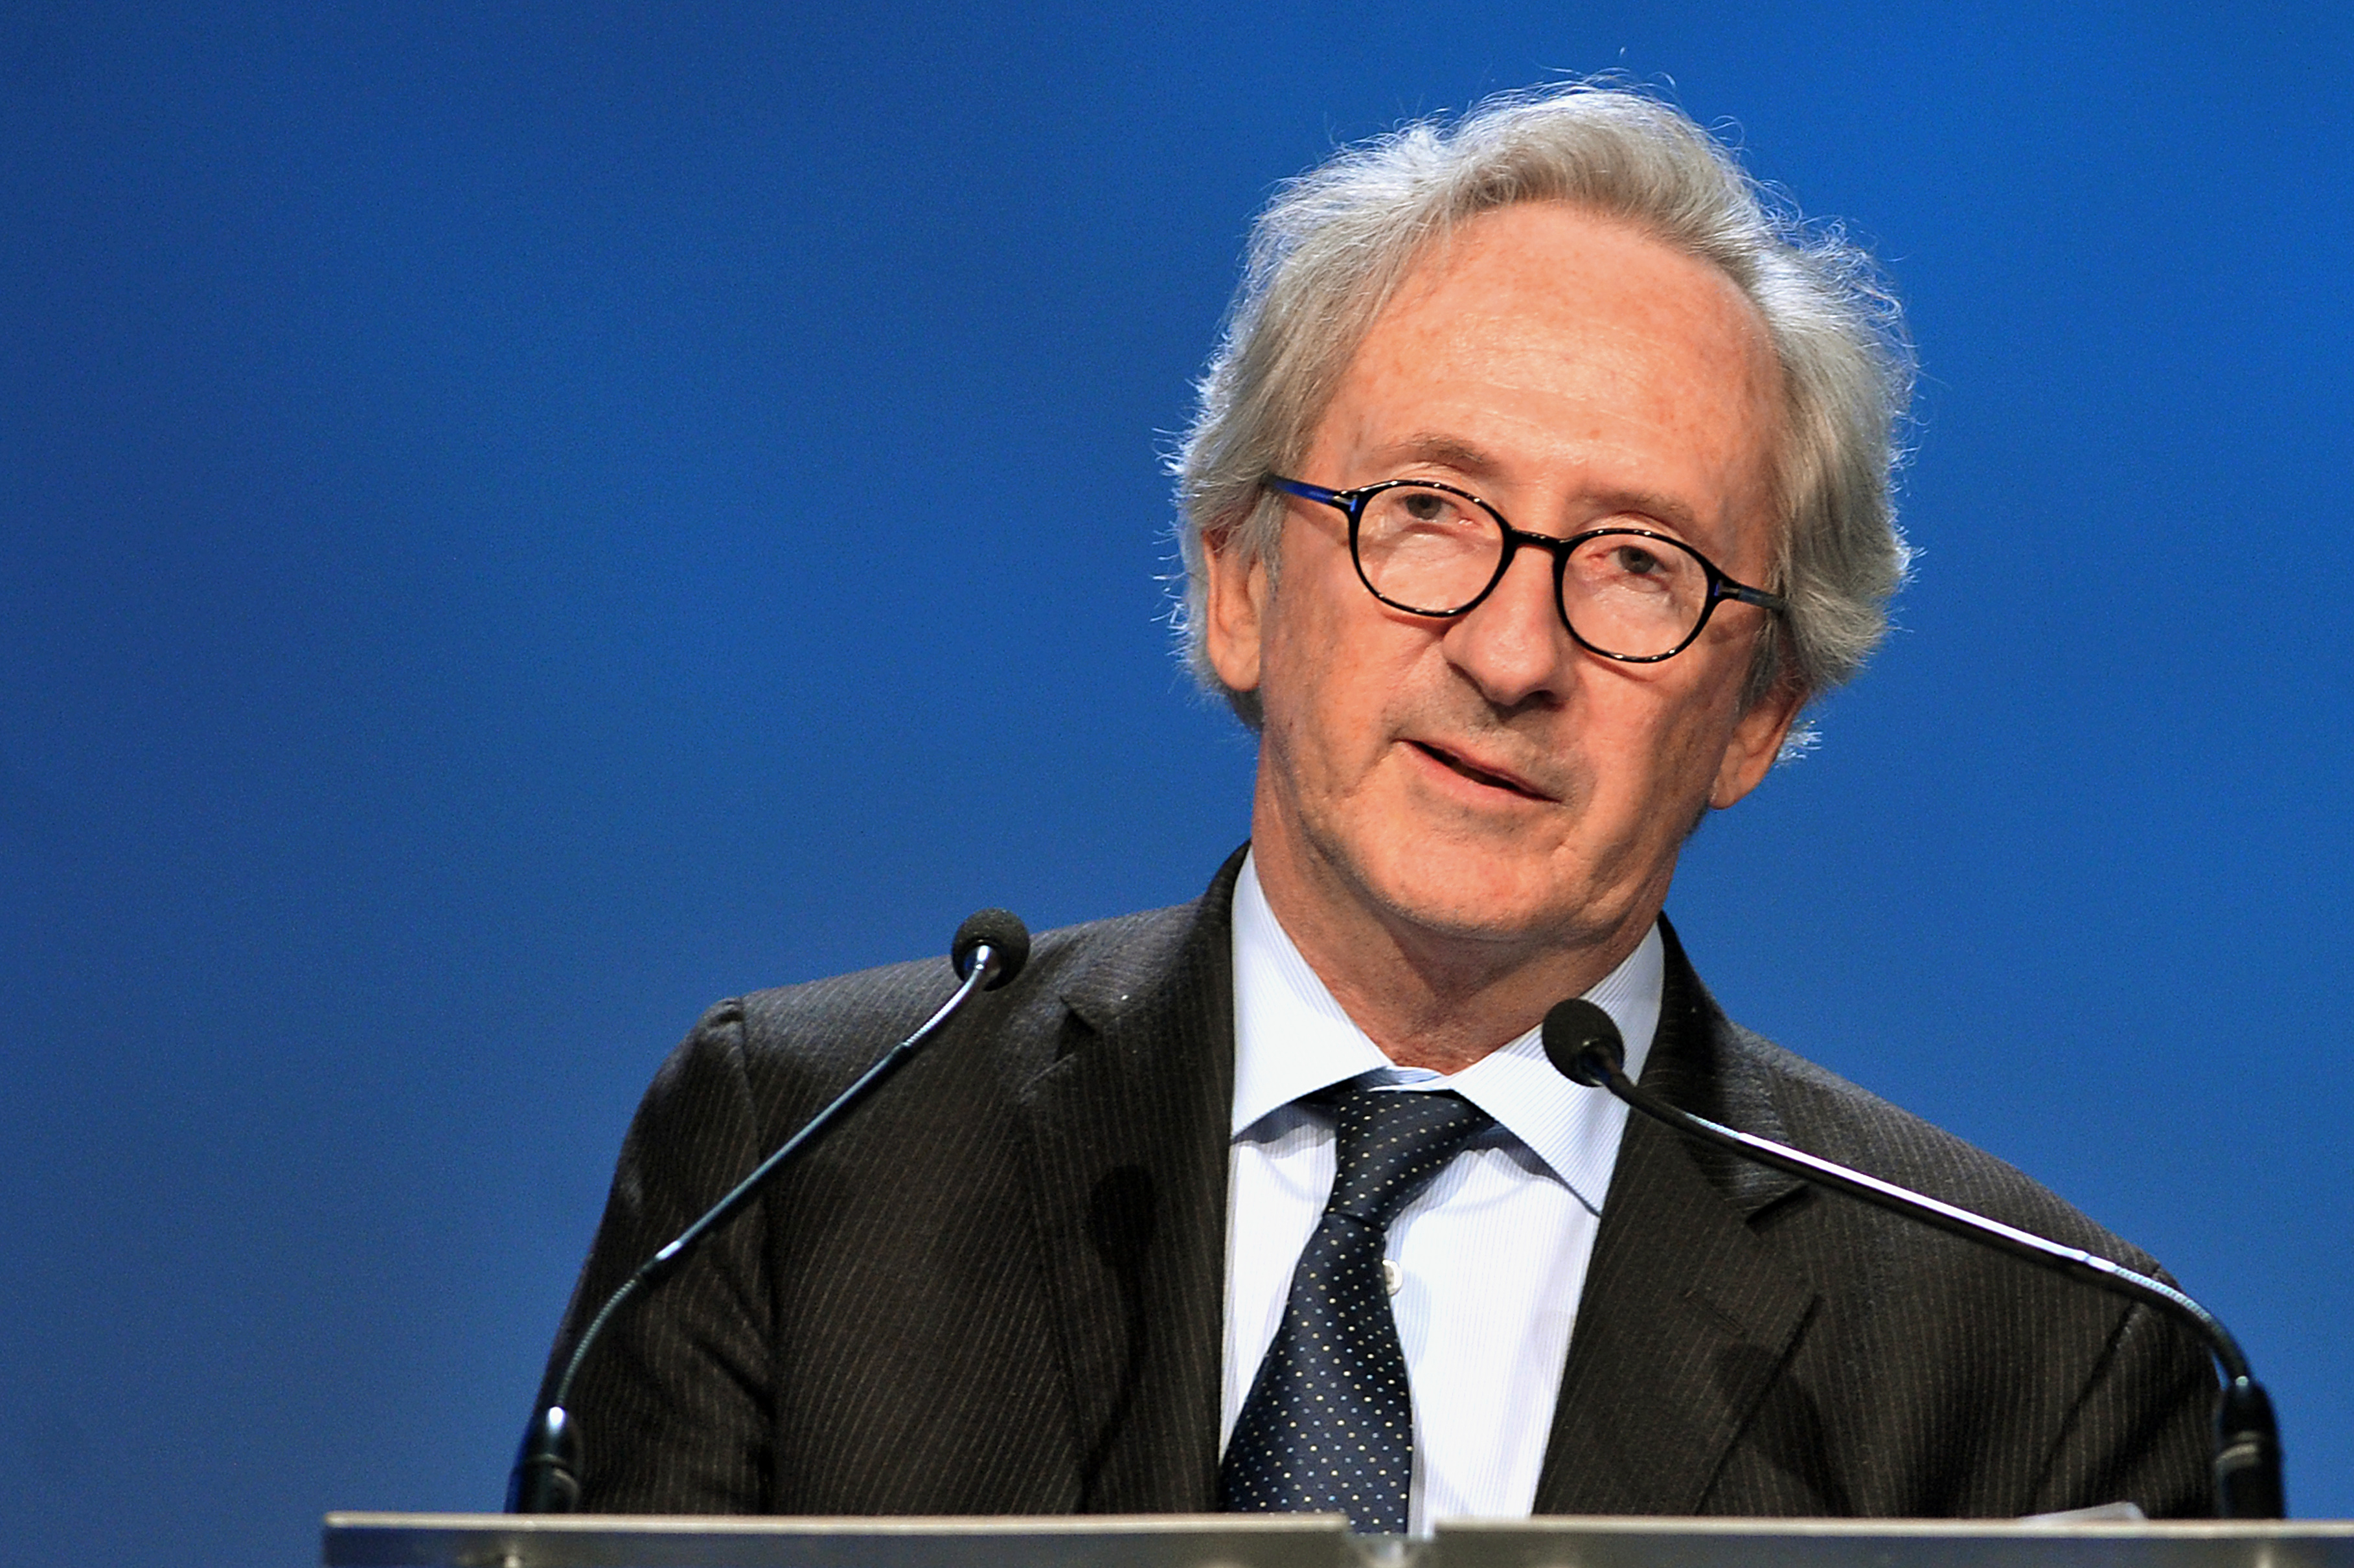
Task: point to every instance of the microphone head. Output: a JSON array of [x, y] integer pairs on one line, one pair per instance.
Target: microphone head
[[1583, 1044], [1003, 933], [546, 1476]]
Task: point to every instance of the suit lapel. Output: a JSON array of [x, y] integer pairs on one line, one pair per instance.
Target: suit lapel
[[1687, 1317], [1129, 1134]]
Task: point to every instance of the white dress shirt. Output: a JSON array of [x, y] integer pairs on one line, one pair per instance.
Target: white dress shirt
[[1486, 1264]]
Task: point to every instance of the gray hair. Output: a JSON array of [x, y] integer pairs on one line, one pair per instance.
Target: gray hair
[[1336, 242]]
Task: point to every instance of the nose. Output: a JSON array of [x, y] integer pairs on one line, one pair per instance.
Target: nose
[[1512, 644]]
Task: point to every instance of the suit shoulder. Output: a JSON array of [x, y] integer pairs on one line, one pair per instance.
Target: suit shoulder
[[847, 1018], [1827, 1114]]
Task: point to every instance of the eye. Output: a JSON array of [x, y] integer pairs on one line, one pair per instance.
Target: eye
[[1630, 564], [1425, 505]]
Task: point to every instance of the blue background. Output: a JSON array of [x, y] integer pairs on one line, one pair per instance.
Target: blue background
[[522, 519]]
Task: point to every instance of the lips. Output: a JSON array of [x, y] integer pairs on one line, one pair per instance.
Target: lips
[[1480, 772]]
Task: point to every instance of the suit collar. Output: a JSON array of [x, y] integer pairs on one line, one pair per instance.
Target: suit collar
[[1709, 1064], [1128, 969]]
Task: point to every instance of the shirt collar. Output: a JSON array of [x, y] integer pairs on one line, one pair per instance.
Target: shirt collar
[[1292, 1039]]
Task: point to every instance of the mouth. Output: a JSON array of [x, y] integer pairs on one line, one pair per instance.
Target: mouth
[[1479, 775]]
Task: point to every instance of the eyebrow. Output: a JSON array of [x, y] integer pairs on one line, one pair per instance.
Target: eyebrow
[[1447, 451], [1476, 463]]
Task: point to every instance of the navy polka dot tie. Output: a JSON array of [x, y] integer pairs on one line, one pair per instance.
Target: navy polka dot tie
[[1328, 1426]]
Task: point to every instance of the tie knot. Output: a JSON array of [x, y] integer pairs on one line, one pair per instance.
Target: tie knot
[[1392, 1143]]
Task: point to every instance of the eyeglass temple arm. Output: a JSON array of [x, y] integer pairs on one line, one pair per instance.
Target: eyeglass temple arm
[[1307, 492], [1728, 588]]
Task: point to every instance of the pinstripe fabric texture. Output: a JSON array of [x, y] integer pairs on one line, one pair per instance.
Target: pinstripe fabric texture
[[996, 1288]]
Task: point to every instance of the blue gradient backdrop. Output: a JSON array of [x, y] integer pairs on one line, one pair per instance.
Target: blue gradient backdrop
[[522, 519]]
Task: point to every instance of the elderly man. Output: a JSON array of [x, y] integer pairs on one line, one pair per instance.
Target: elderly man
[[1539, 485]]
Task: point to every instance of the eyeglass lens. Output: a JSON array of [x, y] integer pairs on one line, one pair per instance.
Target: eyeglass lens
[[1432, 553]]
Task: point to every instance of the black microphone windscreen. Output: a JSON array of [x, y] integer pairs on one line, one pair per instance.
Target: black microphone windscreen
[[1576, 1031], [1003, 933]]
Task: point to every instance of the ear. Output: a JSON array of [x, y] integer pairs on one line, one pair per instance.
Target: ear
[[1756, 741], [1236, 612]]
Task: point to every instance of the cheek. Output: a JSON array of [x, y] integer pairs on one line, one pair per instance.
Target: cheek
[[1310, 693], [1693, 753], [1333, 674], [1660, 741]]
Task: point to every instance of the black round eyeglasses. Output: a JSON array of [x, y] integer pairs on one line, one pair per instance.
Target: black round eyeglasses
[[1629, 594]]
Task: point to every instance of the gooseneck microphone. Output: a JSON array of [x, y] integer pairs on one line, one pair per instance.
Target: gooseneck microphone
[[1583, 1043], [989, 950]]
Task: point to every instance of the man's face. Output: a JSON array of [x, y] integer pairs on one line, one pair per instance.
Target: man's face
[[1484, 778]]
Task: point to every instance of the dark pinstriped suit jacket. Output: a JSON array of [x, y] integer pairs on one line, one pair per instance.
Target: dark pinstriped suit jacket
[[997, 1289]]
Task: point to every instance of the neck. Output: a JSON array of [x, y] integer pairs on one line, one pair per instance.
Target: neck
[[1440, 1000]]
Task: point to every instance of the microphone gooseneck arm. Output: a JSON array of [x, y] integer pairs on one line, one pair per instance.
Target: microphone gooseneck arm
[[991, 949], [720, 1213], [1584, 1043]]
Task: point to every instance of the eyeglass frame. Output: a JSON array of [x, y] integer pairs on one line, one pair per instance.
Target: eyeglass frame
[[1351, 503]]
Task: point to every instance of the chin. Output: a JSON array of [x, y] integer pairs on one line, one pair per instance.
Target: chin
[[1459, 892]]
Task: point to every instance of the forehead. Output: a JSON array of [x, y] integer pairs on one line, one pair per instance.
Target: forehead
[[1579, 357]]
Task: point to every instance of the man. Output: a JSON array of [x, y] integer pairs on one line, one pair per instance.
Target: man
[[1540, 484]]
